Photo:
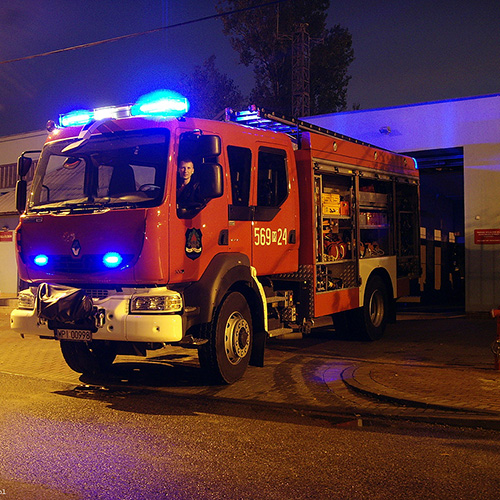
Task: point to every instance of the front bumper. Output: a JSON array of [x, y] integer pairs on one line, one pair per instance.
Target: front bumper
[[118, 323]]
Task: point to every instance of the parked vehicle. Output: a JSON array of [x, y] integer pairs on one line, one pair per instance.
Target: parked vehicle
[[288, 223]]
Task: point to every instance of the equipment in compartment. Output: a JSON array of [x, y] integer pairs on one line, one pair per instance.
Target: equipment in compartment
[[373, 218], [372, 199], [336, 246], [330, 203], [372, 249], [334, 223], [335, 276]]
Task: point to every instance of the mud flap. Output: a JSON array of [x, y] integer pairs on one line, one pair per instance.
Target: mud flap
[[258, 348]]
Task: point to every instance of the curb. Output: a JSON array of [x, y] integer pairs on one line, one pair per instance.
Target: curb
[[449, 415], [8, 302], [338, 415]]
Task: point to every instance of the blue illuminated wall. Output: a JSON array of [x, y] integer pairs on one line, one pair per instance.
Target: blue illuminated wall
[[472, 124]]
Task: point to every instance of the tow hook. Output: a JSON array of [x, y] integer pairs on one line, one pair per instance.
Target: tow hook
[[99, 317]]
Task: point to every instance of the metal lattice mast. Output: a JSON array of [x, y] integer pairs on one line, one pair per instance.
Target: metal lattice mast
[[301, 67]]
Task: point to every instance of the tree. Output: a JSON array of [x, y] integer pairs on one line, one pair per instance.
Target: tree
[[209, 91], [263, 39]]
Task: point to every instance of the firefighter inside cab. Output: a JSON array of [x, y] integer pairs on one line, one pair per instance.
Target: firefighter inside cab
[[188, 189]]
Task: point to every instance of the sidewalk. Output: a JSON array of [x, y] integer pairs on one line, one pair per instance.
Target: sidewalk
[[8, 299], [443, 365], [433, 387]]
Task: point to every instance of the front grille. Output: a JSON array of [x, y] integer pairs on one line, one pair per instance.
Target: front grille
[[96, 293], [66, 264]]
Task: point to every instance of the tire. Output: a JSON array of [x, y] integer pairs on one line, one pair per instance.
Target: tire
[[367, 322], [375, 308], [88, 357], [226, 355]]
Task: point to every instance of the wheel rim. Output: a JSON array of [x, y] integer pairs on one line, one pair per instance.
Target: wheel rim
[[236, 338], [376, 308]]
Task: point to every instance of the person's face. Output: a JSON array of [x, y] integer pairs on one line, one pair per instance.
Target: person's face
[[186, 170]]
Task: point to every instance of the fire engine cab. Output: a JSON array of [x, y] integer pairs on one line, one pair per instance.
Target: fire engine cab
[[285, 223]]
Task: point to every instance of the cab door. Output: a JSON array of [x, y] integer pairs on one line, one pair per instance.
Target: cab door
[[274, 224], [240, 210]]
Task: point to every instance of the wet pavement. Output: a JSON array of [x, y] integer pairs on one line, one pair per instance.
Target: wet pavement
[[435, 367]]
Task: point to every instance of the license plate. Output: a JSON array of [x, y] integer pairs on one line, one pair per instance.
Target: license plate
[[67, 334]]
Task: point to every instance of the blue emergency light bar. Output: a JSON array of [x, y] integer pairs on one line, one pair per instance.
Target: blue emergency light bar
[[159, 104], [75, 118]]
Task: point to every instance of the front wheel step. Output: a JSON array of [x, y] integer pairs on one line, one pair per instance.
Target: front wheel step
[[190, 342], [280, 331]]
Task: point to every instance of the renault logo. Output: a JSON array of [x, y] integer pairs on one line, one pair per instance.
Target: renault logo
[[75, 248]]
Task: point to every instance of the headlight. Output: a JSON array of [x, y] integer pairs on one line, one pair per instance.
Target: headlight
[[26, 299], [156, 303]]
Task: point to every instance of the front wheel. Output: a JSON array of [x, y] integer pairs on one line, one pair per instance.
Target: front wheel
[[226, 355], [88, 357]]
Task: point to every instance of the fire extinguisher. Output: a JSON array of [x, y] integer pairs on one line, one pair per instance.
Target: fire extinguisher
[[495, 347]]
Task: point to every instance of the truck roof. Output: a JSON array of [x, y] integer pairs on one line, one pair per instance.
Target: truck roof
[[324, 144]]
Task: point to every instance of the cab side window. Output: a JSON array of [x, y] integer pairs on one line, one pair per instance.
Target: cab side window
[[199, 175], [240, 166], [272, 181]]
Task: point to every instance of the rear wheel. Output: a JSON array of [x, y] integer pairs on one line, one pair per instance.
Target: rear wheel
[[226, 355], [367, 322], [375, 309], [88, 357]]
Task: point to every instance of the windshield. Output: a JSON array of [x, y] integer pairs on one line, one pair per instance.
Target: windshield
[[115, 170]]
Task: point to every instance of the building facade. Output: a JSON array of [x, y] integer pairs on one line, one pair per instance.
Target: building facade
[[457, 146], [10, 149]]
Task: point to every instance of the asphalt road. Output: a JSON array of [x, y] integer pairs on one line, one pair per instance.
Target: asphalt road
[[62, 441], [156, 430]]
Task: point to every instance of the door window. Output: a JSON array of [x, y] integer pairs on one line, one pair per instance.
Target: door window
[[240, 166], [272, 182]]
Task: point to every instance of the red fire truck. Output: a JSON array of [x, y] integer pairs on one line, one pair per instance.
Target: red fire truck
[[289, 223]]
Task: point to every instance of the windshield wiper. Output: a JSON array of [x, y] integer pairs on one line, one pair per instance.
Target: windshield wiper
[[85, 205], [62, 206]]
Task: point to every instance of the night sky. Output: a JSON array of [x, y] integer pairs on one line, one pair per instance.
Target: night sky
[[406, 52]]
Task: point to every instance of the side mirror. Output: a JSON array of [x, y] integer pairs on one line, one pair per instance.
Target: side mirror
[[197, 146], [211, 185], [209, 145], [24, 162], [23, 165], [21, 190]]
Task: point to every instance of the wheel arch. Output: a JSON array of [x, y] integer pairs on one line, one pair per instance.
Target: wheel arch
[[384, 275], [224, 274]]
